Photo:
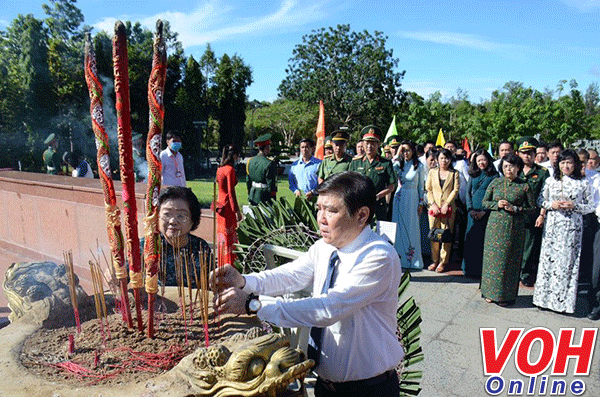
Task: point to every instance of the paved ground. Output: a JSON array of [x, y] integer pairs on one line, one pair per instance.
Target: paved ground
[[453, 312]]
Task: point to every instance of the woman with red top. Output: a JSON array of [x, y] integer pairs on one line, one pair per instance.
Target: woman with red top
[[227, 210]]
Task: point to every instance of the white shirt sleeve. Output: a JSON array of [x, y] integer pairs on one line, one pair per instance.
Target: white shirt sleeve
[[362, 285]]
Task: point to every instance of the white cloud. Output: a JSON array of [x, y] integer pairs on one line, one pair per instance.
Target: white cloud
[[3, 22], [583, 5], [460, 40], [213, 21]]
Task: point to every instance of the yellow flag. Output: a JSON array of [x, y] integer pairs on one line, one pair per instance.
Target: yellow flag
[[440, 141]]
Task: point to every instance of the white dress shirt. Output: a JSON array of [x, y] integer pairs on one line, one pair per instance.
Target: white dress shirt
[[358, 313], [548, 165], [173, 173], [497, 166], [594, 178], [463, 173]]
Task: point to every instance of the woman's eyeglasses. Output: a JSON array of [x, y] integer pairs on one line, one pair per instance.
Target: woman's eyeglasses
[[180, 218]]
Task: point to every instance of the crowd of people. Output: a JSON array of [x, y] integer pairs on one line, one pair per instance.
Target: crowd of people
[[528, 217]]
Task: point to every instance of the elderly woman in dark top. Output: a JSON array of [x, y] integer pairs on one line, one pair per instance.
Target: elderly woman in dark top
[[178, 215]]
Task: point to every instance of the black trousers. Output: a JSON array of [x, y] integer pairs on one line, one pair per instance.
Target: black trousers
[[384, 385], [594, 295]]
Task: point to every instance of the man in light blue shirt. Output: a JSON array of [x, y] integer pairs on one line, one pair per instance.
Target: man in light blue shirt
[[303, 173]]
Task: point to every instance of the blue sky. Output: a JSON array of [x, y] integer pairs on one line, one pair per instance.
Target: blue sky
[[476, 46]]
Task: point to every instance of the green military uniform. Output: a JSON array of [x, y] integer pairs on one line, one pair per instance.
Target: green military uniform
[[330, 165], [535, 178], [393, 141], [381, 172], [261, 175], [52, 159], [328, 144]]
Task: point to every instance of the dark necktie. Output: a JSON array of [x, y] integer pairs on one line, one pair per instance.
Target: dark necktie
[[316, 334]]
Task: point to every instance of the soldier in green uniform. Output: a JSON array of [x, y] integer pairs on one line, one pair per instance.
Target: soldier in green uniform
[[394, 143], [535, 175], [261, 173], [328, 147], [339, 161], [52, 159], [378, 168]]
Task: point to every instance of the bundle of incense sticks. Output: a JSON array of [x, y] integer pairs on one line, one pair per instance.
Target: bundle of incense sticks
[[186, 262], [99, 298], [179, 276], [68, 257], [204, 288]]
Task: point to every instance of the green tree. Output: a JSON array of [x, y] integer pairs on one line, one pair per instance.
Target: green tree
[[293, 120], [232, 77], [352, 72], [27, 104], [189, 105], [208, 65]]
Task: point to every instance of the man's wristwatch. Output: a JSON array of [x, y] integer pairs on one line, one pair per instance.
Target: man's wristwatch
[[253, 304]]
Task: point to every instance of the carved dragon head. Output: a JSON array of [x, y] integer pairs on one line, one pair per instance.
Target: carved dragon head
[[262, 366]]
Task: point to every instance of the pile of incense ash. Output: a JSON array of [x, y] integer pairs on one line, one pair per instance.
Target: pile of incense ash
[[100, 348]]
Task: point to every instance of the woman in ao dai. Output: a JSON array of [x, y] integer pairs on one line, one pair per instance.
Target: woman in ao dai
[[408, 204], [566, 196]]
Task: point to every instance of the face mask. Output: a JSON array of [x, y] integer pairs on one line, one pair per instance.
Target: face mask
[[175, 146]]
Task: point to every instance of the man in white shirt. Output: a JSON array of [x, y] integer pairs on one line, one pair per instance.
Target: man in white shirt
[[354, 274], [593, 161], [173, 173], [554, 150], [426, 148], [541, 154], [594, 294], [504, 148]]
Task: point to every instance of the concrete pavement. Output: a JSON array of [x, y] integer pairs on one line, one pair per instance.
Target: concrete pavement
[[453, 312]]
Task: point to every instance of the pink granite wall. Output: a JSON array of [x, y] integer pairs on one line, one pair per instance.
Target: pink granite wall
[[43, 215]]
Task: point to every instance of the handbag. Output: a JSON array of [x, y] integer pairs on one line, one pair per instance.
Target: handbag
[[438, 235], [440, 215], [219, 208]]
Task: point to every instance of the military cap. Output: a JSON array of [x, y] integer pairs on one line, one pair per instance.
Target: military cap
[[50, 138], [387, 149], [343, 134], [394, 141], [263, 140], [327, 142], [527, 143], [371, 133]]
